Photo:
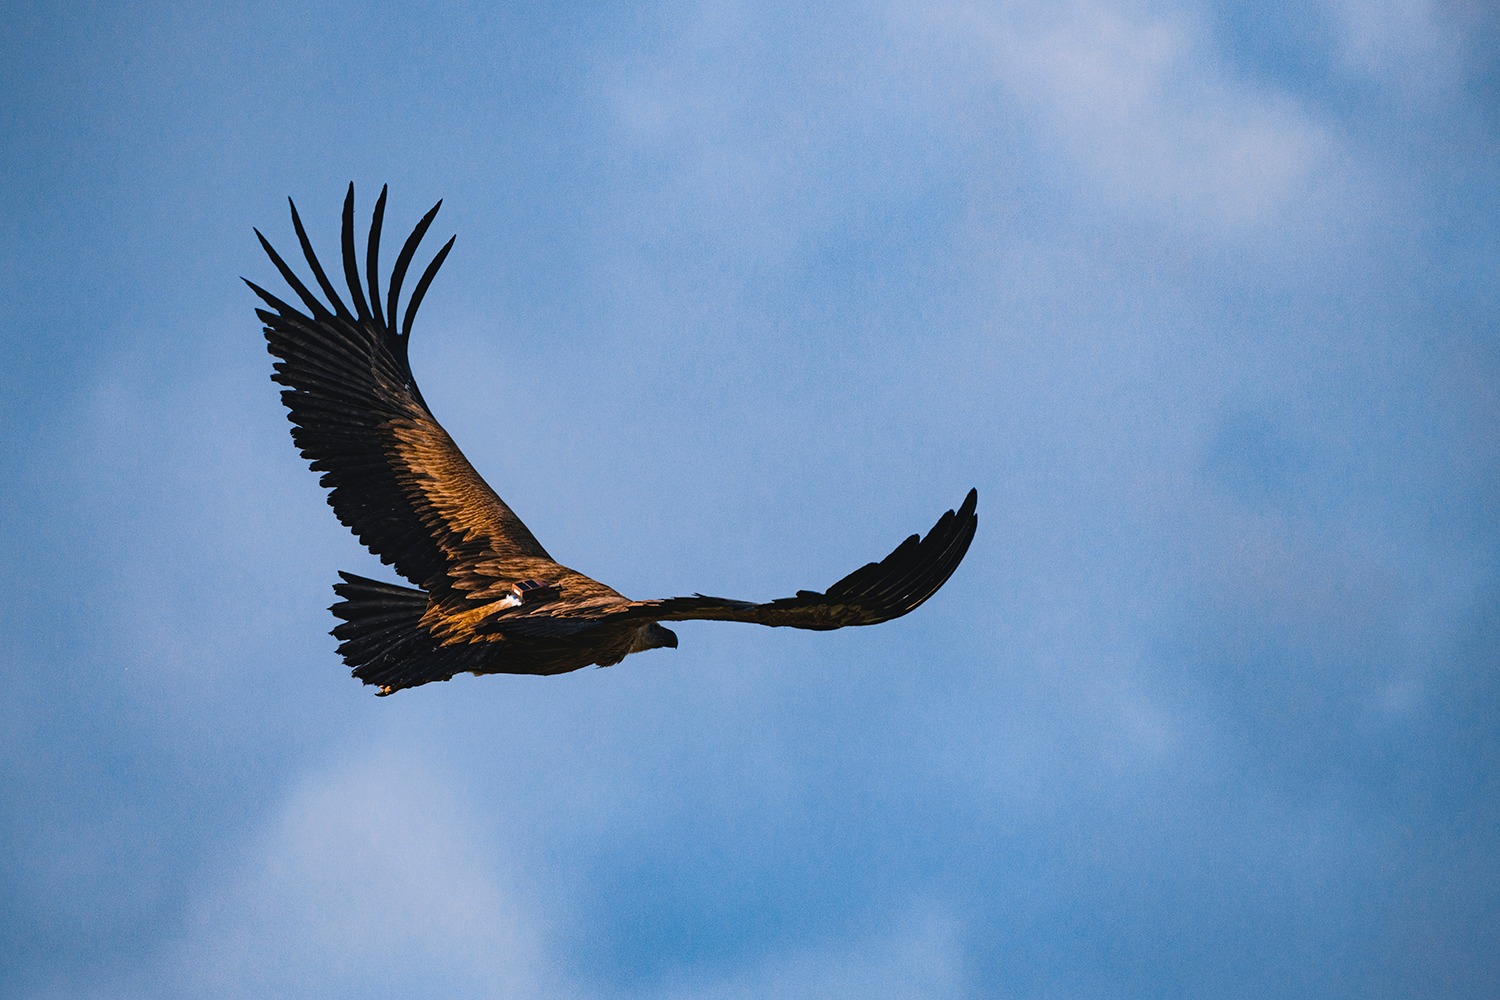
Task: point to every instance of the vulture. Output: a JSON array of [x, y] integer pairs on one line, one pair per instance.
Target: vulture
[[486, 597]]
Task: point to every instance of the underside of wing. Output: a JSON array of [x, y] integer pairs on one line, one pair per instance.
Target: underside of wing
[[874, 593], [394, 475]]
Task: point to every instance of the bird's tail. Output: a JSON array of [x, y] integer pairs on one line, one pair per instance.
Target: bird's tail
[[382, 638]]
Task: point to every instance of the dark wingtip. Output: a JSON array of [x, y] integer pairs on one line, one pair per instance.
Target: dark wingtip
[[422, 285], [266, 296], [314, 307], [372, 259], [403, 261], [351, 268], [918, 567], [339, 309]]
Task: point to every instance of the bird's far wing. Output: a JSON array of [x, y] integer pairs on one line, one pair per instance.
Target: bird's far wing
[[394, 475], [875, 593]]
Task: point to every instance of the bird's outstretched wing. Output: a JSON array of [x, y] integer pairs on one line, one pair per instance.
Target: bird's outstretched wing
[[877, 592], [394, 475]]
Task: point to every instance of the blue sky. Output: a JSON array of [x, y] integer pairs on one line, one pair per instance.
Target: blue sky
[[1202, 297]]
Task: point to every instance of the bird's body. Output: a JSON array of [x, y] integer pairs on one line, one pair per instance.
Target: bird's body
[[487, 597]]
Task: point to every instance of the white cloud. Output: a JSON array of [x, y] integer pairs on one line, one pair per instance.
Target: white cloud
[[370, 879], [1409, 44], [1135, 98]]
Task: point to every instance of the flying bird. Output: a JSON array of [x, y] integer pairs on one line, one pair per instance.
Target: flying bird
[[486, 597]]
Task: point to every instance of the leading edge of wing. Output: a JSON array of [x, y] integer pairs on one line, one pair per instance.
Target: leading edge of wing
[[874, 593]]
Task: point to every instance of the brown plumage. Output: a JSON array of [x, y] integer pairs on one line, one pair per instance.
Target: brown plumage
[[490, 598]]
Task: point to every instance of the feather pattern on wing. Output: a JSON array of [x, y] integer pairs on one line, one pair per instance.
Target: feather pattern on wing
[[874, 593], [394, 475]]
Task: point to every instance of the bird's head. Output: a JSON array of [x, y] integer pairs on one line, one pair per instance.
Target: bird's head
[[655, 636]]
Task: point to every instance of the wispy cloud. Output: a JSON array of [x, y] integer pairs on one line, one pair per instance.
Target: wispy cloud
[[1415, 47], [1135, 97], [371, 877]]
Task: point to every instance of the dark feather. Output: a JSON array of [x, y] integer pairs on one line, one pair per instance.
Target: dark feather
[[317, 268], [421, 289], [351, 269], [403, 261], [874, 593], [372, 258]]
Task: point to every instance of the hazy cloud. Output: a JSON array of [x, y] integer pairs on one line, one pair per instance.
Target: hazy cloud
[[370, 877], [1136, 98]]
